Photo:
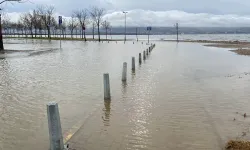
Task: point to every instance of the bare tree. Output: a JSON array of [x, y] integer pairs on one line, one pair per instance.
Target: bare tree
[[6, 23], [72, 25], [36, 19], [106, 25], [82, 16], [20, 27], [27, 20], [63, 28], [46, 13], [97, 15]]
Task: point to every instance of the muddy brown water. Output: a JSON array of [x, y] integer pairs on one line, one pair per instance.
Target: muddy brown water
[[184, 96]]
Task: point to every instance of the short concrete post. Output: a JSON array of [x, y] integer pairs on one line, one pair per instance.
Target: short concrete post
[[124, 72], [55, 130], [133, 63], [144, 55], [106, 86], [139, 58]]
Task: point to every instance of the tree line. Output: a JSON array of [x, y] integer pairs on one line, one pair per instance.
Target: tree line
[[42, 21]]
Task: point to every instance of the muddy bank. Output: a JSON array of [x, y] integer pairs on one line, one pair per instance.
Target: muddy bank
[[238, 145], [241, 48]]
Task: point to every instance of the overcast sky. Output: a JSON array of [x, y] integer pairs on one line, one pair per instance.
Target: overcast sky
[[152, 12]]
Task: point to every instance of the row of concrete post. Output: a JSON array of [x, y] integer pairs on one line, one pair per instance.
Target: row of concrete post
[[54, 124], [107, 95]]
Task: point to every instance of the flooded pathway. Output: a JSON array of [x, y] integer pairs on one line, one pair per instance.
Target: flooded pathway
[[183, 96]]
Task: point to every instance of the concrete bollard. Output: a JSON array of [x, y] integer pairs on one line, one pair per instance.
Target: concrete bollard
[[106, 86], [149, 49], [139, 58], [55, 130], [133, 63], [124, 72], [144, 55]]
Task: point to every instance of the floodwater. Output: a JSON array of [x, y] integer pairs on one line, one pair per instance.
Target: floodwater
[[212, 37], [184, 96]]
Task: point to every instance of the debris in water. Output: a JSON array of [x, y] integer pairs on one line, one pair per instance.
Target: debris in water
[[245, 115], [234, 119]]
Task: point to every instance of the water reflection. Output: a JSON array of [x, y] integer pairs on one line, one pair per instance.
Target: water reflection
[[124, 89], [106, 112]]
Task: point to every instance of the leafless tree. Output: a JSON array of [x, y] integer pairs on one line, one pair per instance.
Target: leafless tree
[[20, 27], [6, 23], [27, 20], [82, 16], [63, 28], [106, 25], [46, 13], [72, 25], [93, 29], [97, 15], [36, 19]]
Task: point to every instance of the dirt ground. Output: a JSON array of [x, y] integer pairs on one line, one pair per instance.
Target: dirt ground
[[241, 48]]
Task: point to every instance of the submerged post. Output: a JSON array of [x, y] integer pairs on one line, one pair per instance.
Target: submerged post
[[106, 86], [144, 55], [139, 58], [124, 72], [133, 63], [55, 130]]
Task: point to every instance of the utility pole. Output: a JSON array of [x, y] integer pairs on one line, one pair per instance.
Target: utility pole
[[125, 25], [177, 31]]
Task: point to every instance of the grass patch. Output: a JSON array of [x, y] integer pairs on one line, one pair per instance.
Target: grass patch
[[242, 51]]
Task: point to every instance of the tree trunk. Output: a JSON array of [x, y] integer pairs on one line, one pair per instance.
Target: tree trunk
[[93, 31], [82, 33], [31, 32], [72, 34], [48, 28], [25, 33], [106, 33], [76, 33], [85, 36], [35, 32], [99, 36]]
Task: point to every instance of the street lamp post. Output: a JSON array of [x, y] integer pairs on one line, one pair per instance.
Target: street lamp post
[[1, 33], [125, 25]]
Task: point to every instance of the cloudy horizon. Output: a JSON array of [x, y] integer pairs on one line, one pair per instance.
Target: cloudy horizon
[[225, 13]]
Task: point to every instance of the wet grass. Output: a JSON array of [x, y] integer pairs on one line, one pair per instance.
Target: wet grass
[[238, 145], [242, 51]]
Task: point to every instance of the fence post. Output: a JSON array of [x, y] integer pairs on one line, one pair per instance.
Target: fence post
[[55, 130], [147, 52], [144, 55], [124, 72], [106, 86], [133, 63]]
